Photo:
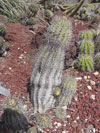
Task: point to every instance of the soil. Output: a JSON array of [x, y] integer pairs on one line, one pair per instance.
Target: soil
[[83, 115]]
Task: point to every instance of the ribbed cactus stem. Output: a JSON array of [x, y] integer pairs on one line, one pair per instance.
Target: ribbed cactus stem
[[49, 64]]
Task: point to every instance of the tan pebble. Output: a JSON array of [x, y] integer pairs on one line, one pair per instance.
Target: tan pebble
[[96, 73], [74, 124], [92, 97], [85, 77]]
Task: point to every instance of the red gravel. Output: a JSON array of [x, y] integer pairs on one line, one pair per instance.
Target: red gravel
[[15, 70]]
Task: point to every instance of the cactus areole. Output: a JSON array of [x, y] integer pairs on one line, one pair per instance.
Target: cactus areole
[[46, 76]]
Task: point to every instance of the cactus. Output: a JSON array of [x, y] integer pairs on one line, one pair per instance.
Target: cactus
[[13, 117], [60, 113], [97, 61], [33, 9], [61, 30], [87, 47], [43, 120], [69, 88], [97, 42], [3, 29], [86, 63], [31, 21], [88, 35], [6, 46], [1, 42], [49, 65]]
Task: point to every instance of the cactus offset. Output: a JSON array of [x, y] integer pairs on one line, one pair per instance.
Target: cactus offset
[[87, 47], [43, 120], [86, 63], [69, 88], [49, 64], [60, 113]]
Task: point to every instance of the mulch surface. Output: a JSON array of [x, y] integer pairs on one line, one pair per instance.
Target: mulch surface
[[15, 71]]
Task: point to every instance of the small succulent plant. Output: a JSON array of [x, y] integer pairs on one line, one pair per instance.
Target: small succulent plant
[[48, 14], [60, 113], [31, 21], [3, 30], [69, 85], [1, 42], [6, 46], [87, 47], [97, 61], [34, 9], [43, 120], [88, 35], [86, 63]]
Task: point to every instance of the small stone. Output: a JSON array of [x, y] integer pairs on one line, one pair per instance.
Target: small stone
[[77, 117], [58, 124], [92, 97], [89, 77], [74, 124], [92, 82], [79, 78], [89, 87], [64, 131], [68, 116], [32, 130], [96, 73], [85, 77], [10, 68]]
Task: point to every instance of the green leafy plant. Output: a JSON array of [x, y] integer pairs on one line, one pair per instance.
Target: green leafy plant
[[97, 61], [43, 120], [86, 63], [3, 29], [60, 113], [88, 35], [87, 47]]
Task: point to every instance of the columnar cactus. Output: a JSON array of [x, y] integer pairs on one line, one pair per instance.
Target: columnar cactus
[[49, 64], [3, 29], [97, 61], [86, 63], [87, 47]]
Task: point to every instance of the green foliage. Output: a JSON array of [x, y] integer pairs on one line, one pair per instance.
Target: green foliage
[[61, 28], [87, 35], [3, 30], [33, 9], [31, 21], [43, 120], [60, 113], [87, 47], [97, 61], [86, 63]]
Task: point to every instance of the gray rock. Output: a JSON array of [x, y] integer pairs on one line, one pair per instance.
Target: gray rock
[[4, 91]]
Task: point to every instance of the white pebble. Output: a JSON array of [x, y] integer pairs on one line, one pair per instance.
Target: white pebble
[[10, 68], [79, 78], [64, 131], [92, 97], [68, 116], [89, 87], [92, 82], [85, 77]]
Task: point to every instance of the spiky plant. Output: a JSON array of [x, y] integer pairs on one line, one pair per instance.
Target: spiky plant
[[97, 61], [43, 120], [69, 85], [13, 117], [60, 113], [86, 63], [34, 9], [31, 21], [6, 46], [1, 42], [61, 30], [87, 47], [57, 91], [3, 29], [97, 44], [88, 35]]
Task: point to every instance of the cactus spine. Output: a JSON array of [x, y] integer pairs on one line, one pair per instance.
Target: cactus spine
[[49, 64]]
